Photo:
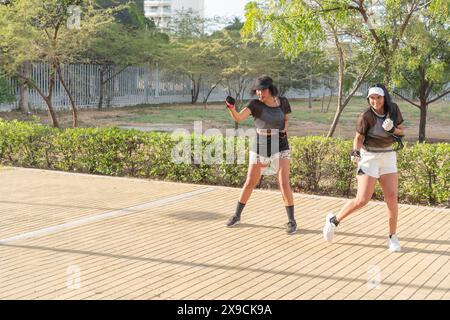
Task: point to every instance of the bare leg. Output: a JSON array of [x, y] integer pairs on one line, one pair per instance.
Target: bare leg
[[366, 186], [253, 176], [284, 183], [389, 185]]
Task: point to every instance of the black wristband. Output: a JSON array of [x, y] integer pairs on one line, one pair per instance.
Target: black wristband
[[355, 153]]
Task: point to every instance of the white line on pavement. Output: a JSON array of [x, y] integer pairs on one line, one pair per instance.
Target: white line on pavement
[[110, 214]]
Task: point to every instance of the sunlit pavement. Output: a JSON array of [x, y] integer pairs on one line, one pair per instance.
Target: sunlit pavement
[[76, 236]]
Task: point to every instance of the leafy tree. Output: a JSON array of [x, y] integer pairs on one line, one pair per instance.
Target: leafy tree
[[129, 13], [424, 65], [186, 52], [242, 62], [119, 45], [382, 24], [298, 26], [48, 31]]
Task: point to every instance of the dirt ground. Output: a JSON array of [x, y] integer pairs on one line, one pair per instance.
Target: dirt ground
[[437, 131]]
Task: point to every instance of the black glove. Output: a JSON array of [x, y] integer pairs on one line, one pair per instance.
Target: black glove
[[355, 155], [388, 126], [230, 102]]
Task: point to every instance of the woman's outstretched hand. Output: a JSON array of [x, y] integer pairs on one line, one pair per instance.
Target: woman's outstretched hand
[[230, 102], [355, 155]]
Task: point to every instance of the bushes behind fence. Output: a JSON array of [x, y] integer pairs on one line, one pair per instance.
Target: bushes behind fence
[[319, 165]]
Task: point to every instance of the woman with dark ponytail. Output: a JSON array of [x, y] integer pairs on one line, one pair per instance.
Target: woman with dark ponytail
[[376, 130], [272, 147]]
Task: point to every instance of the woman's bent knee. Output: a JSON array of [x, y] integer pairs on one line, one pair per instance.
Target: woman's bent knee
[[361, 202]]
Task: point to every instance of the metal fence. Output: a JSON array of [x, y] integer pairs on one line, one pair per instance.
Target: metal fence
[[131, 86]]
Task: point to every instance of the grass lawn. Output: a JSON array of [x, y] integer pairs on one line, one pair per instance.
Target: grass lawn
[[216, 115], [182, 114], [303, 120]]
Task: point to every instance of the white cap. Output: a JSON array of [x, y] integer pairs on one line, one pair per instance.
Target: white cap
[[375, 90]]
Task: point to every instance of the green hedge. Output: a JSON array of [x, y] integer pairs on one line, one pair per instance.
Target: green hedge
[[319, 165]]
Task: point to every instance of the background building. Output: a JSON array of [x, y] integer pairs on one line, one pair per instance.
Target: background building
[[161, 11]]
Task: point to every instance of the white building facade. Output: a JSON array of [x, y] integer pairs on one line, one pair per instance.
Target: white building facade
[[161, 11]]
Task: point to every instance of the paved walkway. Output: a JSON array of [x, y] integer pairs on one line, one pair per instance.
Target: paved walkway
[[74, 236]]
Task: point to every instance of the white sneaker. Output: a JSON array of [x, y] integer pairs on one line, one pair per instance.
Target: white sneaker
[[328, 229], [393, 244]]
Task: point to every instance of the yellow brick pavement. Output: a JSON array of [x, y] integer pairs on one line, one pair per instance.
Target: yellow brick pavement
[[76, 236]]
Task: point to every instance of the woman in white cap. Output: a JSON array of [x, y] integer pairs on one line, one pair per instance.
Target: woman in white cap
[[271, 119], [373, 151]]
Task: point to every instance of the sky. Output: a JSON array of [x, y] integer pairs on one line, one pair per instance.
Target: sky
[[227, 8]]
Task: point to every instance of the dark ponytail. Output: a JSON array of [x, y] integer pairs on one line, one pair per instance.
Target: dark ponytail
[[273, 91]]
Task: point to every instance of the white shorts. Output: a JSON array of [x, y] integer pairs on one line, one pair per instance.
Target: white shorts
[[376, 164], [255, 158], [271, 162]]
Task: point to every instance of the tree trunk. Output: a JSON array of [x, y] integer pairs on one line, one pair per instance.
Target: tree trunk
[[310, 93], [24, 104], [337, 115], [237, 106], [69, 94], [195, 89], [342, 103], [339, 107], [101, 89], [387, 73], [329, 101], [423, 120], [51, 112], [323, 100], [48, 99], [423, 97], [209, 93]]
